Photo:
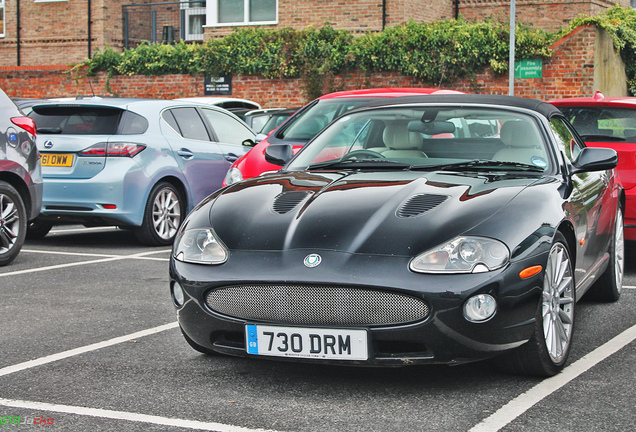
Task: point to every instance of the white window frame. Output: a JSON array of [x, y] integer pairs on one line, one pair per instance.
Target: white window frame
[[49, 1], [213, 16], [191, 11], [3, 29]]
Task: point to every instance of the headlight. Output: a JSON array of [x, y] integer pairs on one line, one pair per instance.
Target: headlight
[[199, 246], [233, 175], [463, 255]]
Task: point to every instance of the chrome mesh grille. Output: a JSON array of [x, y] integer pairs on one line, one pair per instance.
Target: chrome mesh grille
[[316, 305]]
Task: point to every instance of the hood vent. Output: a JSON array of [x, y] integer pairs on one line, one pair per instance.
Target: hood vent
[[420, 204], [287, 201]]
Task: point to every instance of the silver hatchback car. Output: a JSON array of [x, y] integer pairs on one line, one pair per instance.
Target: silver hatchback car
[[134, 163]]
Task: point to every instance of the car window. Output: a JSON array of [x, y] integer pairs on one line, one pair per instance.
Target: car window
[[314, 119], [190, 124], [273, 122], [169, 118], [594, 123], [227, 129], [132, 124], [566, 141], [258, 121], [76, 120]]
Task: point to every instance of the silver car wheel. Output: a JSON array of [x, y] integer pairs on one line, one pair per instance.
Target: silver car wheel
[[558, 300], [619, 250], [166, 214], [9, 223]]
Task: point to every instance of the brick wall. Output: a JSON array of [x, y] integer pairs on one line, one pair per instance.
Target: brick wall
[[570, 72], [547, 15]]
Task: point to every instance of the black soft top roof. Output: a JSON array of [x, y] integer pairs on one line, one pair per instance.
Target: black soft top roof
[[541, 107]]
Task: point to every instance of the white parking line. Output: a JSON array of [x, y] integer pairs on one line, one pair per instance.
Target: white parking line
[[81, 350], [109, 258], [522, 403], [122, 415], [135, 256], [111, 414], [82, 229]]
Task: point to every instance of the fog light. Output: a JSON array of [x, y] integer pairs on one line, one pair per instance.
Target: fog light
[[480, 307], [177, 294]]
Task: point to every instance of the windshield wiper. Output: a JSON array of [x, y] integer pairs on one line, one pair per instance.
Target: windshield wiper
[[44, 130], [360, 164], [480, 164]]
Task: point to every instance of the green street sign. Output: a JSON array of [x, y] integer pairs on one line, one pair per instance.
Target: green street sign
[[529, 68]]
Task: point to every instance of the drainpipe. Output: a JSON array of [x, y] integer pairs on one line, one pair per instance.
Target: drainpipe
[[383, 14], [18, 30], [90, 22], [456, 9]]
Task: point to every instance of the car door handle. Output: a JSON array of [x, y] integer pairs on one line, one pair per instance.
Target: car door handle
[[185, 153], [231, 157]]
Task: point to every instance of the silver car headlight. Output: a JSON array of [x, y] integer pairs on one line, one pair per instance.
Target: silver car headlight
[[234, 175], [199, 246], [462, 255]]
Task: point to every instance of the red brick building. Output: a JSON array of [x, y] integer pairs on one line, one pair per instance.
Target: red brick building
[[34, 61], [55, 32]]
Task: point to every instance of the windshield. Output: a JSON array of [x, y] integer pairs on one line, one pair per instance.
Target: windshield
[[459, 138], [602, 123], [308, 123]]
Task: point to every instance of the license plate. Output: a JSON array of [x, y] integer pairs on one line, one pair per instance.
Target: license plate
[[55, 159], [303, 342]]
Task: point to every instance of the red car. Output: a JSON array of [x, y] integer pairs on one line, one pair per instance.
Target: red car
[[609, 122], [308, 121]]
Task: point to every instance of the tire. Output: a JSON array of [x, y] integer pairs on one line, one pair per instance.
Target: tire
[[13, 223], [547, 351], [609, 286], [196, 346], [38, 229], [163, 215]]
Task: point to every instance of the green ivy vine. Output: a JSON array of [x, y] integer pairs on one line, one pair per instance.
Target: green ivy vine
[[438, 53]]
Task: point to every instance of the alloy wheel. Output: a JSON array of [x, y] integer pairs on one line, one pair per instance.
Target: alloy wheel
[[166, 214], [558, 303], [619, 251], [9, 223]]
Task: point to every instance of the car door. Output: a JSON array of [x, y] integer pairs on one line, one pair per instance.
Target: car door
[[201, 160], [590, 204], [229, 132]]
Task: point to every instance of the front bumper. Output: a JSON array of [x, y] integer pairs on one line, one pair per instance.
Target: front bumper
[[444, 336]]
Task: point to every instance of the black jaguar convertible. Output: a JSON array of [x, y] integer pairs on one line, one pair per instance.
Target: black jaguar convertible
[[436, 229]]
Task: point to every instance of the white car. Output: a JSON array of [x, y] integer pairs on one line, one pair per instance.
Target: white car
[[229, 104]]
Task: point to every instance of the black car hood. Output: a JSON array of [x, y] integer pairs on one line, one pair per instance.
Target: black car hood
[[390, 213]]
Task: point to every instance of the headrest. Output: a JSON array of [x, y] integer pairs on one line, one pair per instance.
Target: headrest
[[520, 134], [396, 136]]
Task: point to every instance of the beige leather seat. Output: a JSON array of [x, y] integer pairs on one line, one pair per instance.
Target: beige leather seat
[[400, 142], [523, 143]]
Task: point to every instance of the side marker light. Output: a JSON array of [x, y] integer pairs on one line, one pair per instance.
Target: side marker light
[[530, 271]]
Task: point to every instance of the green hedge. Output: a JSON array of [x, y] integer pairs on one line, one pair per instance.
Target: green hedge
[[438, 53]]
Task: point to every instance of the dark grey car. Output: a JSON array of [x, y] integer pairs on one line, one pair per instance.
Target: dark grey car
[[20, 178]]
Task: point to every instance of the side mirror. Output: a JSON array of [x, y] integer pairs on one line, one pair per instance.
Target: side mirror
[[595, 159], [279, 154], [248, 142]]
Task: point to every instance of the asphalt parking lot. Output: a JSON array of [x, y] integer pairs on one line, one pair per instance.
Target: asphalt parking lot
[[90, 343]]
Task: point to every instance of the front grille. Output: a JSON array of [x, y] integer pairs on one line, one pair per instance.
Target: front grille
[[316, 305]]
